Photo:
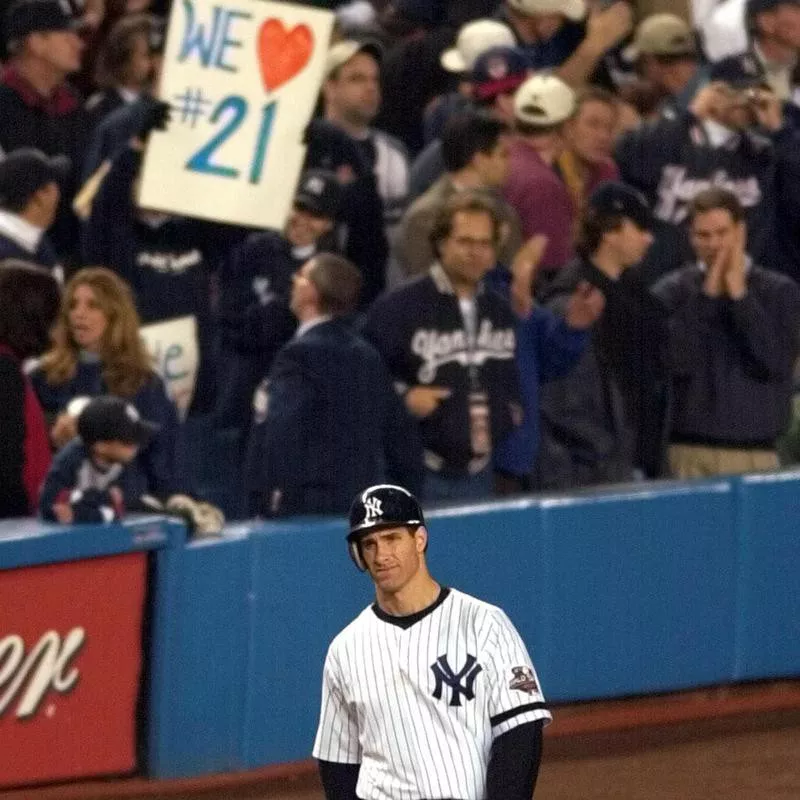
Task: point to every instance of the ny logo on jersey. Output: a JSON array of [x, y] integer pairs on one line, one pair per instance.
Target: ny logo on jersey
[[461, 682], [374, 509]]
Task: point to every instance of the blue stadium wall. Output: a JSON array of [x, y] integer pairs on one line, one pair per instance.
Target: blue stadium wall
[[617, 593]]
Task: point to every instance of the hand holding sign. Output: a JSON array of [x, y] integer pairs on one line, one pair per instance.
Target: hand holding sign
[[242, 77]]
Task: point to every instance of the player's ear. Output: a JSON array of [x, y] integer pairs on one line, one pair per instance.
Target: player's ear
[[421, 538]]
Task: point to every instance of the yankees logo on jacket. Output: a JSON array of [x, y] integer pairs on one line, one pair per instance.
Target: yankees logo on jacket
[[673, 159], [420, 331], [430, 692]]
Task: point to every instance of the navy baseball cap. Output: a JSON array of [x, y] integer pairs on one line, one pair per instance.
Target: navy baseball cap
[[621, 200], [108, 418], [739, 72], [38, 16], [319, 192], [23, 172], [500, 70], [383, 506]]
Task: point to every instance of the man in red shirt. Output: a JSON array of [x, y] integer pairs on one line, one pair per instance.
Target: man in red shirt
[[546, 112]]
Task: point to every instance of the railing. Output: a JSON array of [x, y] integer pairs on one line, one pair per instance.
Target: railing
[[620, 592]]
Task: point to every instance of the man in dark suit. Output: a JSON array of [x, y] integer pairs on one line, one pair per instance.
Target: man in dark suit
[[327, 419]]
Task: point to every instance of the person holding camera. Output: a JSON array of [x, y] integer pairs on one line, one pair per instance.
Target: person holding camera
[[734, 137]]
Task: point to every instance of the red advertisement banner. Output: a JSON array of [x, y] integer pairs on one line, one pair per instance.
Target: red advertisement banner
[[70, 664]]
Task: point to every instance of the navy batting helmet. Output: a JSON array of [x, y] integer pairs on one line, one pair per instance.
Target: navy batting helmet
[[381, 506]]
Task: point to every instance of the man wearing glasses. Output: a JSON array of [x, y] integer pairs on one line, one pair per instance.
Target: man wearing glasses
[[449, 343]]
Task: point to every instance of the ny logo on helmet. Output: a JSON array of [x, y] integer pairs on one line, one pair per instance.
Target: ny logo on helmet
[[374, 509], [460, 683]]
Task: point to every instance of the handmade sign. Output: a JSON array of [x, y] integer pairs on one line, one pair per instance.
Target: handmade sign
[[242, 78], [173, 347]]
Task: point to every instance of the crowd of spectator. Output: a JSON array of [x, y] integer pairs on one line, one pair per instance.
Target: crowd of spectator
[[536, 245]]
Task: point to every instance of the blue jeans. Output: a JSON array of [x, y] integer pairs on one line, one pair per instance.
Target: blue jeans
[[439, 489]]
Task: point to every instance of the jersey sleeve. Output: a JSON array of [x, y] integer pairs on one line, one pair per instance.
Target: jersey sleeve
[[515, 694], [337, 734]]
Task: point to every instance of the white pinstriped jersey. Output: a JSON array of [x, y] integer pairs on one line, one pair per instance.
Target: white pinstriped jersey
[[419, 706]]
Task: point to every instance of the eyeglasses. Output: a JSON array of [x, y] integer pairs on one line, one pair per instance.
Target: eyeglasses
[[477, 244]]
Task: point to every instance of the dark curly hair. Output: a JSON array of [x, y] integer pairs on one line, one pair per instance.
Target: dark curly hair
[[29, 303]]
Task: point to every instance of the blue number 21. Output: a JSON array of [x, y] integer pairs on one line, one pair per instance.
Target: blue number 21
[[201, 160]]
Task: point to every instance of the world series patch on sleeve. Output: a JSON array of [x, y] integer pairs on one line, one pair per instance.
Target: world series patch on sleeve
[[242, 78]]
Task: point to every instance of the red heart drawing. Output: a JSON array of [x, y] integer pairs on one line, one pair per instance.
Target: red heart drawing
[[283, 53]]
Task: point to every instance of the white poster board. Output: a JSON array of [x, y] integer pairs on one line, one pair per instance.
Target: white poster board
[[173, 347], [242, 78]]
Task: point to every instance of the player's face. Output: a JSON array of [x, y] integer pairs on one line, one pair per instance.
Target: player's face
[[469, 252], [355, 91], [87, 320], [713, 232], [393, 557]]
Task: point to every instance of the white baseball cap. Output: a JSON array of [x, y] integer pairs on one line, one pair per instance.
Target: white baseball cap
[[474, 39], [543, 101], [343, 51], [571, 9]]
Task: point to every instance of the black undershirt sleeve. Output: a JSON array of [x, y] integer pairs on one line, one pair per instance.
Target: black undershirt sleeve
[[514, 763], [339, 780]]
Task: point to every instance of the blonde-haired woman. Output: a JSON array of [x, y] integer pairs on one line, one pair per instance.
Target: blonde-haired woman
[[97, 349]]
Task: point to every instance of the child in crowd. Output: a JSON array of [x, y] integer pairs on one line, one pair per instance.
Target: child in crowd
[[83, 484]]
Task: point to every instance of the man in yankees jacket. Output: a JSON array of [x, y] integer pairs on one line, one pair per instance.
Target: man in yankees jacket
[[449, 343], [733, 137]]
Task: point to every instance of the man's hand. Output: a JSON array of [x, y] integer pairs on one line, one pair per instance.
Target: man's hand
[[63, 512], [715, 273], [156, 118], [735, 279], [422, 401], [64, 429], [585, 306], [607, 27], [768, 110], [712, 101], [523, 274]]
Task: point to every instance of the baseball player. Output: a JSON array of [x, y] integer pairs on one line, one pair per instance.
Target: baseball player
[[429, 694]]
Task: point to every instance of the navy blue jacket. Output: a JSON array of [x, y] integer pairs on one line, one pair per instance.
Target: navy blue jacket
[[169, 266], [670, 161], [419, 330], [610, 414], [254, 320], [327, 423], [257, 283], [154, 471], [45, 255], [114, 132], [74, 479], [732, 361]]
